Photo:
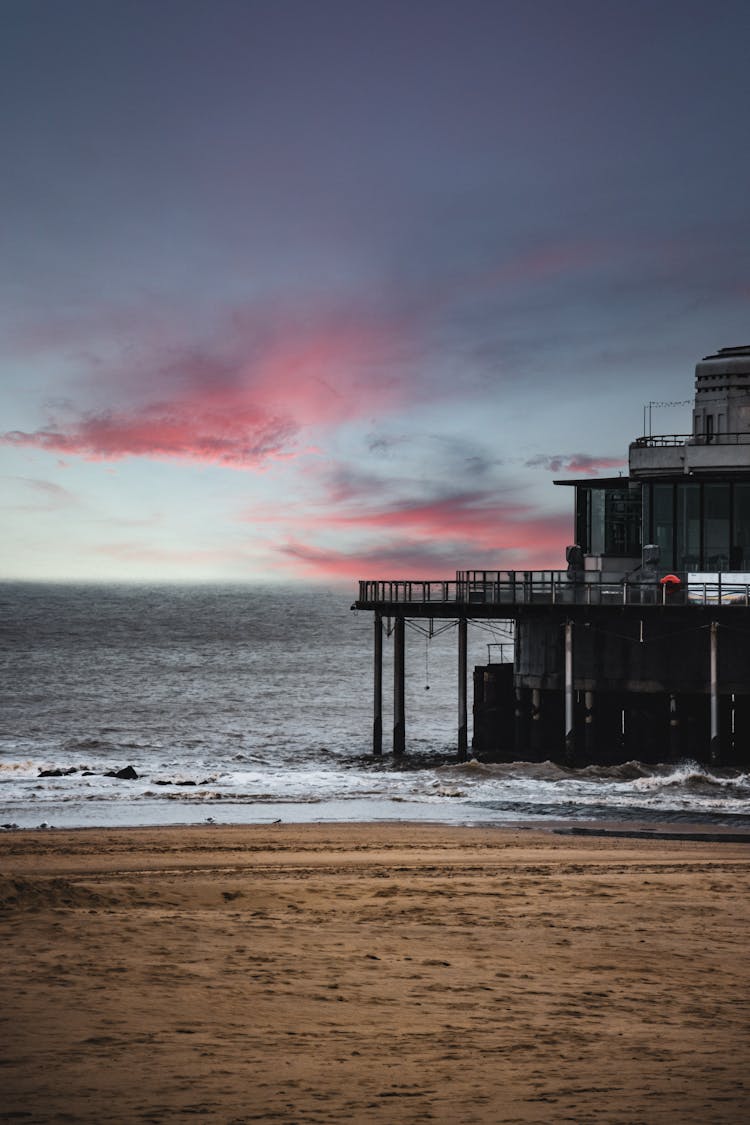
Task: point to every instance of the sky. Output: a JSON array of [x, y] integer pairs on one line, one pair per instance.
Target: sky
[[331, 290]]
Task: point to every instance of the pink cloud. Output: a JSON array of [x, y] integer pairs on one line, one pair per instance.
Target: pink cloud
[[241, 409], [243, 438], [248, 392], [475, 518], [423, 560], [401, 559], [466, 519], [429, 539]]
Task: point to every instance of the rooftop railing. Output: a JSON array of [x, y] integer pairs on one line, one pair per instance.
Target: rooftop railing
[[655, 441], [476, 588]]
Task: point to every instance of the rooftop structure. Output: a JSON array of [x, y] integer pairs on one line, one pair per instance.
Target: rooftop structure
[[687, 494], [720, 440]]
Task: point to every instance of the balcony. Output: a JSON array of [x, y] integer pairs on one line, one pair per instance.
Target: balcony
[[667, 454]]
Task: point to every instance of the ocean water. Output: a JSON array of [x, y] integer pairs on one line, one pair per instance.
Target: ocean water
[[241, 704]]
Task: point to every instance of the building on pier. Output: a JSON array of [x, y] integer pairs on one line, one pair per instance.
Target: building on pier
[[640, 647]]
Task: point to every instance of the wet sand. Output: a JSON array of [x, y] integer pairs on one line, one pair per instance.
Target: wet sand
[[364, 973]]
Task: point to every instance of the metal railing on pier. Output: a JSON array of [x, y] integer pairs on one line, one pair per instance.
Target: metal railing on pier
[[476, 588]]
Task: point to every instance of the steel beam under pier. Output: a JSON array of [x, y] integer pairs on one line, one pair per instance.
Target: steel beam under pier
[[569, 732], [463, 721], [714, 752], [399, 716], [377, 716]]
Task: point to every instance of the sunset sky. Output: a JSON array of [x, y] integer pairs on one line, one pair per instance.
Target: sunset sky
[[336, 289]]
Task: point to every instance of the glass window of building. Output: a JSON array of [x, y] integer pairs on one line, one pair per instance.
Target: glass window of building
[[688, 530], [716, 505], [740, 559], [662, 503], [583, 519], [597, 521], [622, 523]]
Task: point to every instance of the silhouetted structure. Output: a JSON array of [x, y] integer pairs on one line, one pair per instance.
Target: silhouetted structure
[[640, 648]]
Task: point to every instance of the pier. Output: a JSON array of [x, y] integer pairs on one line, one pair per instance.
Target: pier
[[640, 648]]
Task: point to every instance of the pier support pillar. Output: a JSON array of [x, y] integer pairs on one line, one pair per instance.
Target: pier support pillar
[[569, 732], [741, 732], [589, 730], [377, 683], [714, 748], [463, 722], [674, 729], [520, 736], [535, 734], [492, 740], [399, 717]]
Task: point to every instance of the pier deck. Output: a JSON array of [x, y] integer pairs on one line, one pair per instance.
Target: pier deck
[[586, 644], [503, 593]]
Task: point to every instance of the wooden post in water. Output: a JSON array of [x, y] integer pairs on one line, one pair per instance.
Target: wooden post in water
[[463, 722], [377, 718], [399, 717], [714, 750]]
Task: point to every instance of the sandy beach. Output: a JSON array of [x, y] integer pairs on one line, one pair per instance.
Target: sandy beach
[[363, 973]]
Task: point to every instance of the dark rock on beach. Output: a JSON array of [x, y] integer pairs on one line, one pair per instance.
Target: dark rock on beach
[[203, 781], [126, 774]]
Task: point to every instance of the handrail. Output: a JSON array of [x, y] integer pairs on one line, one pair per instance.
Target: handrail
[[650, 441], [476, 588]]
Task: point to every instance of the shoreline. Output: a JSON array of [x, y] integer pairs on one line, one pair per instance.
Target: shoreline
[[652, 829], [366, 810], [396, 972]]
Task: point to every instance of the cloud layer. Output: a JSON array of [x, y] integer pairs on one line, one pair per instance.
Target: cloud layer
[[353, 254], [239, 400]]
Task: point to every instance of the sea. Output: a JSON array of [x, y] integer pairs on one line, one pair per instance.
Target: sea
[[251, 704]]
